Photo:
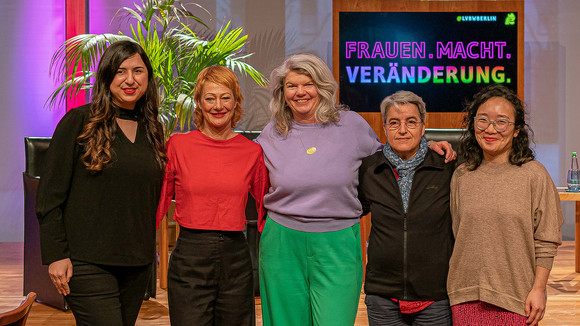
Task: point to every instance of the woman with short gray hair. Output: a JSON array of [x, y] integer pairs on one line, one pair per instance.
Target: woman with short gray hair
[[406, 189]]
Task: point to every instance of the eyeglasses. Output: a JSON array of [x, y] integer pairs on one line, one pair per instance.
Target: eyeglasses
[[395, 125], [500, 125]]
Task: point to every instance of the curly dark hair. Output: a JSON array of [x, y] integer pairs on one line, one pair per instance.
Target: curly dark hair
[[99, 131], [469, 150]]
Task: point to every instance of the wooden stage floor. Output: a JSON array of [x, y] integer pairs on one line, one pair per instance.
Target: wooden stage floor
[[563, 294]]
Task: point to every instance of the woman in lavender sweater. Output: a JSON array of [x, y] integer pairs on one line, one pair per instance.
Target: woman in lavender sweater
[[310, 253]]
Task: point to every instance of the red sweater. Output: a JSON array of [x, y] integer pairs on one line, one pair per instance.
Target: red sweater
[[211, 179]]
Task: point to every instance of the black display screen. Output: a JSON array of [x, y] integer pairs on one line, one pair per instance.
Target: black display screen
[[444, 57]]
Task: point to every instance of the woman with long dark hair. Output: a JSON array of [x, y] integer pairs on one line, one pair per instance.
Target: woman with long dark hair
[[99, 191]]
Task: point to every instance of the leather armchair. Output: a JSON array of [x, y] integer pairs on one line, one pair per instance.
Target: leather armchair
[[36, 277], [453, 136]]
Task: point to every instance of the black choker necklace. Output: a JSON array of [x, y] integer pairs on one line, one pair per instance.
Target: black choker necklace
[[125, 114]]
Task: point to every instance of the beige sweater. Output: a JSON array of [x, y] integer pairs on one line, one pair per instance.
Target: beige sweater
[[506, 221]]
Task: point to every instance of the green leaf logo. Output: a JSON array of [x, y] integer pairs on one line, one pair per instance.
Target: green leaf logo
[[510, 19]]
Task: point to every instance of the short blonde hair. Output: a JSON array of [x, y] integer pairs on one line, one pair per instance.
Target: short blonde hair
[[221, 76]]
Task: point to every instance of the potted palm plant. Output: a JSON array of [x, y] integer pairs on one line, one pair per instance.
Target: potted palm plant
[[176, 52]]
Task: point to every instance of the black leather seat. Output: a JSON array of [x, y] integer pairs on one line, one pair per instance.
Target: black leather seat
[[36, 277], [453, 136]]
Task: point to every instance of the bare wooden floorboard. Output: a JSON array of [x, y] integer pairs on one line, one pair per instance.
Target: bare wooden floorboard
[[563, 294]]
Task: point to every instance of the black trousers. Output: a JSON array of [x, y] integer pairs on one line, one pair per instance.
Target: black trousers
[[107, 295], [210, 280]]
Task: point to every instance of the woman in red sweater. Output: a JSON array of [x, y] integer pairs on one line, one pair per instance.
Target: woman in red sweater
[[210, 171]]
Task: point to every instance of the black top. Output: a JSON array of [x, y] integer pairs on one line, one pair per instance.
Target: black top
[[408, 253], [106, 217]]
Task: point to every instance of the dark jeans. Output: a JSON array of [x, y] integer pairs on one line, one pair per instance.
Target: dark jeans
[[210, 280], [385, 312], [107, 295]]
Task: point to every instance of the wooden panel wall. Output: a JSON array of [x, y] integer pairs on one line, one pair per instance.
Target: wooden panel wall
[[434, 120]]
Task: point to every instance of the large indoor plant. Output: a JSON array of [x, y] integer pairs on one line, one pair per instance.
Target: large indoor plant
[[176, 52]]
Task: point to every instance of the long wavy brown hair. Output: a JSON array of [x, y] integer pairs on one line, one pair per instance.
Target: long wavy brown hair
[[99, 131]]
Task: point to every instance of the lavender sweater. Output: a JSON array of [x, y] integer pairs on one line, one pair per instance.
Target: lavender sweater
[[318, 192]]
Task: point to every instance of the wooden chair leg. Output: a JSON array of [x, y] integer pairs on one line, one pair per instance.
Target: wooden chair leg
[[365, 230], [163, 252]]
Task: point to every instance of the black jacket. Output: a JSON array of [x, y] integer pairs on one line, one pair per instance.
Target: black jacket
[[408, 254], [101, 218]]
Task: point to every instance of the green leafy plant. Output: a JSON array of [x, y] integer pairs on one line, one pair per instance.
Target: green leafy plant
[[176, 52]]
